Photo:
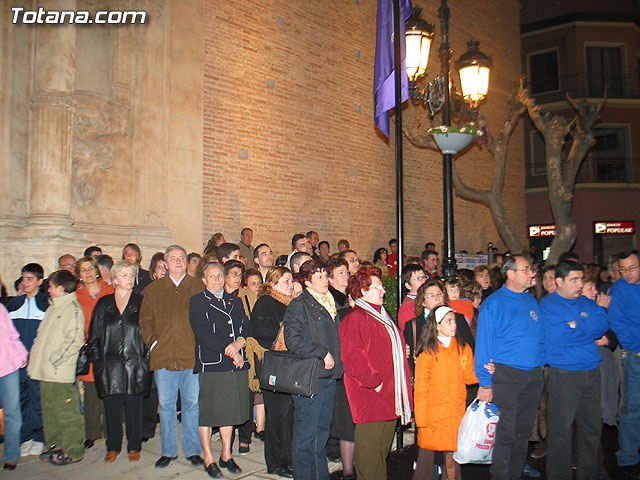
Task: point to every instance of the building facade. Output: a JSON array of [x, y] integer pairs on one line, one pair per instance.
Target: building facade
[[217, 115], [587, 49]]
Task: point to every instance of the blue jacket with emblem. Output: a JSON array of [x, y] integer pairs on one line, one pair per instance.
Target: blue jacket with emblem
[[509, 332], [216, 323], [572, 348]]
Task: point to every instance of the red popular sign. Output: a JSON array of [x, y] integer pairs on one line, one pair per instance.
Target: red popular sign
[[614, 228]]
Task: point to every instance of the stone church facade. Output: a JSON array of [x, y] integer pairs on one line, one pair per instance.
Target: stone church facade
[[215, 115]]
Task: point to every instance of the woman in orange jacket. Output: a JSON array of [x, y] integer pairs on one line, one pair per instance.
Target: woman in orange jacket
[[443, 366]]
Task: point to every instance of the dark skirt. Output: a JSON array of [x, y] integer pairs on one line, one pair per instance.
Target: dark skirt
[[224, 398], [342, 426]]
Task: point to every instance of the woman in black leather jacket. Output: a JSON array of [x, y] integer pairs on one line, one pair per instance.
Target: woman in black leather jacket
[[120, 361]]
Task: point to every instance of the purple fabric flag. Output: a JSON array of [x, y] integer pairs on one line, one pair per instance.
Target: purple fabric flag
[[384, 93]]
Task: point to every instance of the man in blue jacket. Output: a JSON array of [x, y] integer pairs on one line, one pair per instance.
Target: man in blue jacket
[[510, 335], [27, 311], [624, 314], [571, 324]]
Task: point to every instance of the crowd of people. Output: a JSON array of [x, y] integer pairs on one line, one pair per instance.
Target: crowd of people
[[184, 342]]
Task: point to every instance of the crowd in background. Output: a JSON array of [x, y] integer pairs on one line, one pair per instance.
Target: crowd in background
[[184, 341]]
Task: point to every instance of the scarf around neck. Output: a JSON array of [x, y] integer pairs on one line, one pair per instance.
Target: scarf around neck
[[402, 405], [326, 300], [280, 297]]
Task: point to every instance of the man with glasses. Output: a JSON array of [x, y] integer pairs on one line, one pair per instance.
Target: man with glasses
[[351, 257], [624, 314], [299, 243], [510, 336], [412, 278]]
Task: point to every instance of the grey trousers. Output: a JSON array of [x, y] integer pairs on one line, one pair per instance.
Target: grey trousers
[[573, 395], [516, 393]]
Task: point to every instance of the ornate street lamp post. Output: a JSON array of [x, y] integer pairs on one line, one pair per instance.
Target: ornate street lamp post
[[474, 67]]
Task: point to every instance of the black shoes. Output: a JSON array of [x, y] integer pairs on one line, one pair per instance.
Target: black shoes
[[196, 460], [284, 472], [230, 465], [213, 471], [259, 435], [243, 449], [88, 444], [10, 466], [164, 461], [631, 471]]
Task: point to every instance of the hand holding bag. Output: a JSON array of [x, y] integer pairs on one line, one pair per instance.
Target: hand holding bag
[[477, 432]]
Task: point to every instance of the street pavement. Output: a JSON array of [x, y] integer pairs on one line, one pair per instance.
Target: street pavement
[[92, 466]]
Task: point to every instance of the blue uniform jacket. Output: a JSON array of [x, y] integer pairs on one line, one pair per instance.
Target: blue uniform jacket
[[572, 348]]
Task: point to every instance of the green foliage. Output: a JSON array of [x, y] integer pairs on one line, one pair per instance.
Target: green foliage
[[391, 297]]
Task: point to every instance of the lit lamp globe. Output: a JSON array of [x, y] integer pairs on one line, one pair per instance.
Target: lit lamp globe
[[418, 37], [474, 67]]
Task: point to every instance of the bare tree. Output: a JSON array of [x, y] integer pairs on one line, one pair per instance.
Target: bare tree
[[561, 169]]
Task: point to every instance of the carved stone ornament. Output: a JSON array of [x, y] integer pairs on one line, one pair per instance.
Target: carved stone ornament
[[99, 122]]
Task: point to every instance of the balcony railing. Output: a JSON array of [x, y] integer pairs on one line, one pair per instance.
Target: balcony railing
[[581, 85], [592, 170]]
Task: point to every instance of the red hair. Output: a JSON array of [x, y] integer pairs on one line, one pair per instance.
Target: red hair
[[361, 280]]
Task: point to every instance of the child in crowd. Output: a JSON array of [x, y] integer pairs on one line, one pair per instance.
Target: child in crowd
[[443, 367], [52, 361]]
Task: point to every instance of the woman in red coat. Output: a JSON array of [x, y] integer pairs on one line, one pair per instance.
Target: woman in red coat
[[376, 373]]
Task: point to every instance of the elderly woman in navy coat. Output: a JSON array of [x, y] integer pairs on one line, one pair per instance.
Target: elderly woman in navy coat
[[220, 324]]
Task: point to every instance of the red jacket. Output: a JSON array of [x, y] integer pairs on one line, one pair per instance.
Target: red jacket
[[365, 349]]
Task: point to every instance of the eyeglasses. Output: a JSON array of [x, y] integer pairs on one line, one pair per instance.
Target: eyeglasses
[[419, 278], [525, 269], [632, 268], [431, 296]]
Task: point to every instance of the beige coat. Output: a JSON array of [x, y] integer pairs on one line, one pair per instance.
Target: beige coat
[[54, 353]]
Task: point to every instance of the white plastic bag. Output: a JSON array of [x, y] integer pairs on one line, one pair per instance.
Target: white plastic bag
[[476, 433]]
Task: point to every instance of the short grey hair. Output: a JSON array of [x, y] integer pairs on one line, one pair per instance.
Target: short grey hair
[[211, 265], [174, 247], [511, 264]]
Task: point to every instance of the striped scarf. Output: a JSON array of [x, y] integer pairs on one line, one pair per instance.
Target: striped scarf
[[403, 408]]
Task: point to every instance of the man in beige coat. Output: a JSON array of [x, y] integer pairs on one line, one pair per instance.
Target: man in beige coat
[[52, 361], [166, 330]]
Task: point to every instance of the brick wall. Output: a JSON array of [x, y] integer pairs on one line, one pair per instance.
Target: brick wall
[[289, 138]]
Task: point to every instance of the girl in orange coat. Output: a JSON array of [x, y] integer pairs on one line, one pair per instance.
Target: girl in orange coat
[[443, 366]]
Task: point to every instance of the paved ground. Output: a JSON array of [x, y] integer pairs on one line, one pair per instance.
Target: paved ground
[[92, 466]]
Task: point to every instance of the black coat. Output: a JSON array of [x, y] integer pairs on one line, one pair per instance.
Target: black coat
[[309, 330], [266, 317], [122, 362], [216, 324]]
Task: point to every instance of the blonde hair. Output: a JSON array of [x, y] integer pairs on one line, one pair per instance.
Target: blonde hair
[[119, 266], [273, 276]]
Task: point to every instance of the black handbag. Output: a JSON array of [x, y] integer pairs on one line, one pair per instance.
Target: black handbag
[[88, 353], [83, 363], [286, 372]]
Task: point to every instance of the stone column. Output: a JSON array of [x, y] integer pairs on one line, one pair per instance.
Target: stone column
[[53, 110]]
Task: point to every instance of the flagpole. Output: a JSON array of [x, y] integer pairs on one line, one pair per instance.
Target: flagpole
[[399, 202], [399, 188]]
